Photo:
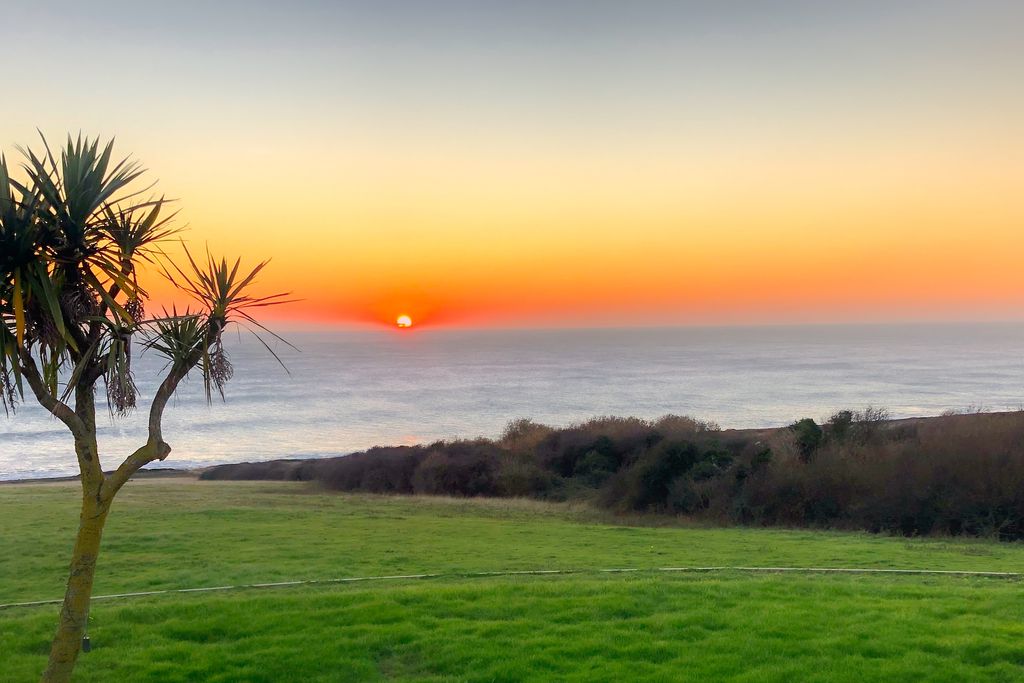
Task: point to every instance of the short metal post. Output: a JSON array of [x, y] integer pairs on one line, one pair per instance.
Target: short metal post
[[86, 645]]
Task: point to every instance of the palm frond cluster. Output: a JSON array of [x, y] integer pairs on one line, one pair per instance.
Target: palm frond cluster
[[222, 290], [75, 228]]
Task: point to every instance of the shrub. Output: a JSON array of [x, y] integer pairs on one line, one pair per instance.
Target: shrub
[[808, 437], [655, 472], [523, 435], [679, 426], [520, 477], [620, 441], [459, 468], [378, 470], [839, 425], [599, 463], [956, 474], [683, 497]]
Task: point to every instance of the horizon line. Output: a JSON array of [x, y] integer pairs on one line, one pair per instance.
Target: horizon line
[[351, 326]]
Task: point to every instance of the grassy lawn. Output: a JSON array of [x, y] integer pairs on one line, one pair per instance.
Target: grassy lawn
[[658, 627]]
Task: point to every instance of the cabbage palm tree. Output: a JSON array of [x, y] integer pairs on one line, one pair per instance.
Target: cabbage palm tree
[[73, 237]]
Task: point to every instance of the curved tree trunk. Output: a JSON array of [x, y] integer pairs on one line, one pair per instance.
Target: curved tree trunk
[[73, 613]]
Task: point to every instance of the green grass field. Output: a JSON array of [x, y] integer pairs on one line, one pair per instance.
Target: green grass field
[[583, 627]]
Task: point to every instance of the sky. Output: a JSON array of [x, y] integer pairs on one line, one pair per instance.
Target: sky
[[569, 163]]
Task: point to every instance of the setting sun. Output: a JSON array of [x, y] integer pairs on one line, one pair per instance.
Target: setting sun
[[740, 272]]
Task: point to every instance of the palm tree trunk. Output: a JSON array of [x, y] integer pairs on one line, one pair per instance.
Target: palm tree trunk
[[73, 613]]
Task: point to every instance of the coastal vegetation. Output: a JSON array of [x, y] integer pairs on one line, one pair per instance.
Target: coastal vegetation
[[76, 230], [948, 475], [652, 626]]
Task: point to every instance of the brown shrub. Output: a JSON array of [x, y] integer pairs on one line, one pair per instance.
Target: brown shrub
[[955, 474], [459, 468]]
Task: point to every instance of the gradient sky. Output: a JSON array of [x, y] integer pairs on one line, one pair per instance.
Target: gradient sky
[[576, 162]]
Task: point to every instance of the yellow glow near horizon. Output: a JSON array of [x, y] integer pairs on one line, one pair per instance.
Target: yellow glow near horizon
[[403, 321], [480, 166], [880, 229]]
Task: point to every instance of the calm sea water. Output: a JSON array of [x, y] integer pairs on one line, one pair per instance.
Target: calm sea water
[[350, 390]]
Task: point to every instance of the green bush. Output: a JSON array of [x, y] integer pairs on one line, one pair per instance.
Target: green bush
[[595, 467], [683, 497], [520, 477], [808, 437]]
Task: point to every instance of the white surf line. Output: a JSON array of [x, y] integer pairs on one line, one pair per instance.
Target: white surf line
[[536, 572]]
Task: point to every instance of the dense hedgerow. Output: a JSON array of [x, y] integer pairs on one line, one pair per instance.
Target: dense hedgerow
[[955, 474]]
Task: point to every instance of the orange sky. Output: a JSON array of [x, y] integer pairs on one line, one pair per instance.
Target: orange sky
[[886, 230], [581, 165]]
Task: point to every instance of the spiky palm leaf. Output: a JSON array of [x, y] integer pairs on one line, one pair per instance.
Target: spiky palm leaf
[[178, 337], [72, 239], [23, 277], [222, 289], [224, 292], [187, 340], [82, 197]]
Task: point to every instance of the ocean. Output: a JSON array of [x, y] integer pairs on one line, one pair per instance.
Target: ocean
[[348, 390]]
